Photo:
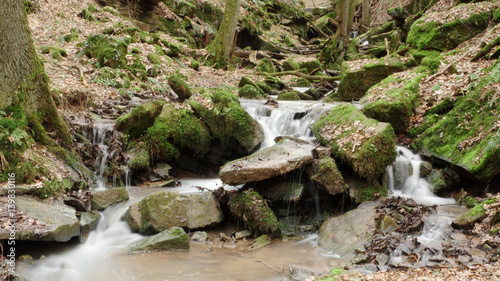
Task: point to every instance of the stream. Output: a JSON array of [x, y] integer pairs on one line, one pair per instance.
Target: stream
[[103, 255]]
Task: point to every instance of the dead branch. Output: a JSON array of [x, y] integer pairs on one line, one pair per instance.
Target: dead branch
[[282, 273], [300, 74], [486, 49]]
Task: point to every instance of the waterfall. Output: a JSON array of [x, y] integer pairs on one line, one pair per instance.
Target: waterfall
[[101, 130], [403, 179]]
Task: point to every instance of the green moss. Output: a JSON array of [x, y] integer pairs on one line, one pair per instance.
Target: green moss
[[253, 210], [444, 106], [290, 64], [469, 202], [178, 83], [154, 59], [288, 95], [301, 82], [195, 65], [266, 65], [139, 119], [274, 83], [71, 36], [86, 14], [395, 106], [310, 66], [181, 128], [250, 92], [107, 50], [140, 160]]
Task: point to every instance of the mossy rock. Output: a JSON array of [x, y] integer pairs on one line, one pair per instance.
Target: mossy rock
[[290, 64], [288, 95], [178, 83], [136, 122], [429, 33], [107, 50], [195, 65], [140, 160], [251, 92], [304, 96], [396, 105], [310, 66], [162, 210], [181, 128], [455, 138], [154, 58], [103, 199], [365, 144], [474, 215], [249, 207], [266, 65], [325, 174], [325, 24], [301, 82], [265, 88], [228, 121], [355, 81], [172, 239], [274, 83]]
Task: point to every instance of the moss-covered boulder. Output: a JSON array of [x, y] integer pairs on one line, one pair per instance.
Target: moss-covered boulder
[[444, 30], [345, 234], [178, 83], [288, 95], [172, 239], [107, 50], [139, 158], [468, 136], [251, 92], [249, 207], [310, 65], [274, 83], [178, 128], [164, 209], [136, 122], [266, 65], [283, 157], [103, 199], [228, 121], [357, 77], [394, 99], [476, 214], [325, 174], [365, 144], [51, 222], [290, 64]]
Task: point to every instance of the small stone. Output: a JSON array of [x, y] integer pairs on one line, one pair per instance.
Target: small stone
[[25, 257], [199, 236], [260, 242], [241, 234]]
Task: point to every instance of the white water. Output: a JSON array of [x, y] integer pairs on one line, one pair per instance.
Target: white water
[[100, 130], [289, 119], [404, 184]]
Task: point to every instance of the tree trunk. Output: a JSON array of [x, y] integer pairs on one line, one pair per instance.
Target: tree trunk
[[22, 77], [366, 13], [222, 45]]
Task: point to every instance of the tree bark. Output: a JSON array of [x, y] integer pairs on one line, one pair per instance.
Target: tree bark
[[222, 45], [22, 77], [366, 13]]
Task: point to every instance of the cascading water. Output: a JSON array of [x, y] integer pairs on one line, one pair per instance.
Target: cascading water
[[403, 179], [101, 130]]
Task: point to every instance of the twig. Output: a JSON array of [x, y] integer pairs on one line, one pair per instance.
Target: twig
[[446, 68], [300, 74], [282, 273]]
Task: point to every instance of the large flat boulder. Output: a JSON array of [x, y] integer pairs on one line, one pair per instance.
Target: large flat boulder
[[365, 144], [41, 221], [283, 157], [103, 199], [164, 209], [344, 234], [172, 239]]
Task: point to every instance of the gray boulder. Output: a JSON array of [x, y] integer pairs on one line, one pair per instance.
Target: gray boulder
[[281, 158], [173, 239], [344, 234], [164, 209], [103, 199]]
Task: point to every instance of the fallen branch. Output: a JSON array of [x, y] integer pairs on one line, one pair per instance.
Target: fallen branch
[[282, 273], [486, 49], [300, 74]]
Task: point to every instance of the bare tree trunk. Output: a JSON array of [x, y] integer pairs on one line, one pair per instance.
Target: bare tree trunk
[[366, 13], [222, 45], [22, 77]]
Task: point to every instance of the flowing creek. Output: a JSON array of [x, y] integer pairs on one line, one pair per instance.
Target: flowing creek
[[103, 255]]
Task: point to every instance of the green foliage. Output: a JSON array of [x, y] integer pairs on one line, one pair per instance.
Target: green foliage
[[71, 36], [86, 14]]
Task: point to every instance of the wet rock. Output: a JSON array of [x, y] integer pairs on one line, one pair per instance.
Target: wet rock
[[321, 152], [51, 221], [280, 190], [425, 168], [260, 242], [476, 214], [283, 157], [88, 222], [139, 158], [103, 199], [437, 179], [172, 239], [343, 234], [79, 205], [199, 236], [161, 210], [386, 225], [365, 144], [249, 206], [241, 234], [300, 274], [326, 176]]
